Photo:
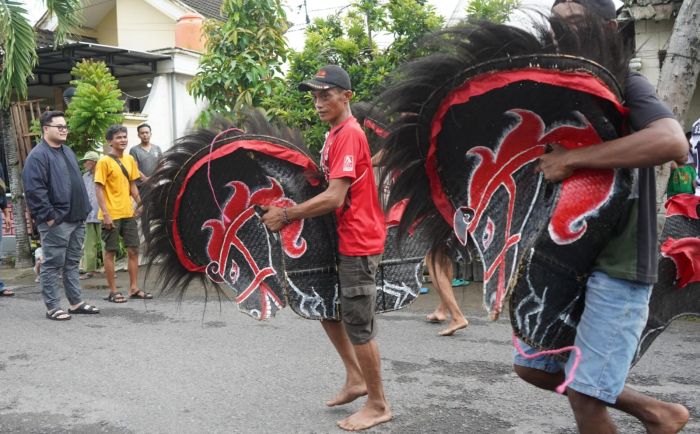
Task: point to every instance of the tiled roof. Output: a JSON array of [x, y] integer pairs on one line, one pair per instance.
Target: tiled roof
[[44, 38], [651, 9], [208, 8]]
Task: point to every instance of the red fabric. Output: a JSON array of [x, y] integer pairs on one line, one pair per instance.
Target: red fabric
[[685, 253], [268, 148], [381, 132], [683, 204], [484, 83], [360, 221], [393, 217]]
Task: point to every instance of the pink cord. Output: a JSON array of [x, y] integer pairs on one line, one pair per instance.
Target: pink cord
[[562, 387], [211, 149]]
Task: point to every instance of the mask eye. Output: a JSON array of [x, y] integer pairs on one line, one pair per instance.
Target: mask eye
[[466, 214], [460, 222], [487, 236]]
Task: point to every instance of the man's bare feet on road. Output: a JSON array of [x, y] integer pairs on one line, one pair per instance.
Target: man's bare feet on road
[[367, 417], [347, 394], [454, 326], [670, 420], [436, 317]]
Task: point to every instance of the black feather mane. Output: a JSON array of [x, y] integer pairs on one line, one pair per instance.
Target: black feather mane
[[417, 89], [164, 185]]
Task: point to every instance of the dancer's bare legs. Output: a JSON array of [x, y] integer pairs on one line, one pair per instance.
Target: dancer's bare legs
[[440, 268], [376, 409], [354, 386], [658, 417]]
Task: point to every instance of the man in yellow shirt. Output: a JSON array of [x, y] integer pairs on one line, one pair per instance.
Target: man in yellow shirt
[[115, 174]]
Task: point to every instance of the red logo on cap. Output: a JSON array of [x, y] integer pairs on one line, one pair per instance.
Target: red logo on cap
[[321, 74]]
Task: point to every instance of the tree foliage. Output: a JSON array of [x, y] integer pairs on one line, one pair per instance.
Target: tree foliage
[[496, 11], [18, 43], [243, 57], [350, 41], [94, 107]]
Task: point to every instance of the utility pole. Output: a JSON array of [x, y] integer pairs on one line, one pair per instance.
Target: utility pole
[[457, 13]]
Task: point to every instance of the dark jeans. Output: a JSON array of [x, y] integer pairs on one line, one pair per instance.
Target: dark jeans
[[62, 245]]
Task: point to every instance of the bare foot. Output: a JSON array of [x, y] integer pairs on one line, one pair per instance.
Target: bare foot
[[366, 417], [672, 419], [436, 317], [347, 394], [455, 324]]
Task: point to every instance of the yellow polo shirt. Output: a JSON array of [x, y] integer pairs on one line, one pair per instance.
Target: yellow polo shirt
[[116, 187]]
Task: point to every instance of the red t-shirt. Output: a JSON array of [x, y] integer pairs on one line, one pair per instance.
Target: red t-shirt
[[361, 230]]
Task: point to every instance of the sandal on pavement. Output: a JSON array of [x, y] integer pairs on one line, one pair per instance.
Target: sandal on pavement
[[57, 314], [85, 276], [84, 308], [116, 297], [141, 294], [7, 293]]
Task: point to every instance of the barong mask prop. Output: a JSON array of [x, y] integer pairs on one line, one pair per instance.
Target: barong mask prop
[[488, 104], [677, 291], [204, 207]]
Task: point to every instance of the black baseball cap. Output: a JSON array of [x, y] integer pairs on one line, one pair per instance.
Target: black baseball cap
[[603, 8], [327, 77]]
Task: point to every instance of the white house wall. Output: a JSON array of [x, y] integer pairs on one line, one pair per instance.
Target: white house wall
[[135, 18], [652, 36], [106, 29], [171, 117]]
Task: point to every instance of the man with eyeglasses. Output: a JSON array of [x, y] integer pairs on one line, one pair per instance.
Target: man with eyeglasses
[[58, 202]]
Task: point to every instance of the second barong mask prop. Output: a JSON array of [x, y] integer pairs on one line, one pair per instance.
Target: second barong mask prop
[[485, 106], [205, 209]]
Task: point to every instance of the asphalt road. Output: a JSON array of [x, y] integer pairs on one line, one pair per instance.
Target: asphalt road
[[188, 367]]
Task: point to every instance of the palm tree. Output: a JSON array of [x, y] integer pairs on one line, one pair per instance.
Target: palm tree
[[18, 44], [17, 60]]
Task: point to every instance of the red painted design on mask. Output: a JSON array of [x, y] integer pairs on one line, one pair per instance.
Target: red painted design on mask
[[239, 209], [581, 195], [685, 253]]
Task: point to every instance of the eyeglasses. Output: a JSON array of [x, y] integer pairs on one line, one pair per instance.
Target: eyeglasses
[[59, 127]]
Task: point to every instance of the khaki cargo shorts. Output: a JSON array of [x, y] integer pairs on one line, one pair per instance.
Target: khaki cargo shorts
[[358, 295], [126, 228]]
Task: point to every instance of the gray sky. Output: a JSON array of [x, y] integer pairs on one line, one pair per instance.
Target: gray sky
[[322, 8]]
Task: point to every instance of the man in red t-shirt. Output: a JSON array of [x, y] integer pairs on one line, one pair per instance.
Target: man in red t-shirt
[[352, 194]]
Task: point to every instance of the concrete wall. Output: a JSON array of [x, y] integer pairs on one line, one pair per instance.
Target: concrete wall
[[107, 29], [652, 36], [142, 27], [170, 109]]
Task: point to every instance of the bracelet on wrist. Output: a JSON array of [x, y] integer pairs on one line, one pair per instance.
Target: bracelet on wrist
[[285, 218]]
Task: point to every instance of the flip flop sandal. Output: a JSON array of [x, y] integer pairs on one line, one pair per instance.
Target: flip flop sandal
[[85, 276], [116, 297], [84, 308], [142, 295], [7, 293], [57, 314]]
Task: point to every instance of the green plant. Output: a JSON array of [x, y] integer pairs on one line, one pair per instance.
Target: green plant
[[94, 107], [18, 43], [496, 11], [242, 63], [348, 40], [35, 130]]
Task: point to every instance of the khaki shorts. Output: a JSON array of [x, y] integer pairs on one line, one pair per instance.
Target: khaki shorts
[[126, 228], [358, 295]]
